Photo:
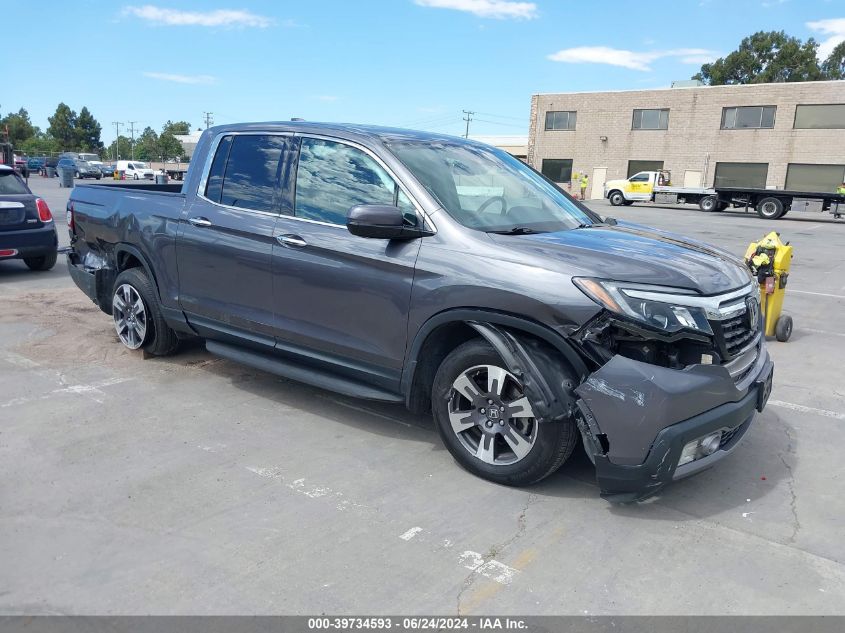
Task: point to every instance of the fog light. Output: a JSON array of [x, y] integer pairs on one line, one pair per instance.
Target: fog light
[[710, 443], [689, 452]]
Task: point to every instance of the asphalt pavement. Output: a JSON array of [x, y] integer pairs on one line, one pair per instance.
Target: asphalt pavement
[[193, 485]]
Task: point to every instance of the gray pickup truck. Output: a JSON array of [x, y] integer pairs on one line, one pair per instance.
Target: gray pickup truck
[[411, 267]]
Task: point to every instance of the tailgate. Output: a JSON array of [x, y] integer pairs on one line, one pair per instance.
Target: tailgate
[[18, 212]]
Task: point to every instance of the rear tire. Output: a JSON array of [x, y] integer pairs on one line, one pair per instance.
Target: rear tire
[[770, 208], [141, 326], [616, 198], [41, 263], [708, 204], [514, 450]]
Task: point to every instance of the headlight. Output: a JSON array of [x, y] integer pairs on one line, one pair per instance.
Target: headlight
[[668, 316]]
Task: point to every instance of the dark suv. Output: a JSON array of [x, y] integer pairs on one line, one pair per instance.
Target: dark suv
[[446, 274]]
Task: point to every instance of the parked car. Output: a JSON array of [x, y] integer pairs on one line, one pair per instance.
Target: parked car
[[135, 170], [35, 164], [27, 230], [446, 274], [84, 169], [81, 169], [21, 166], [106, 170]]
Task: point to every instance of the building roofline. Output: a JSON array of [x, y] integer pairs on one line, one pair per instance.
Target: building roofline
[[668, 88]]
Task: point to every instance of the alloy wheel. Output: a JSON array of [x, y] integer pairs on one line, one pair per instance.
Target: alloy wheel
[[491, 416], [130, 316]]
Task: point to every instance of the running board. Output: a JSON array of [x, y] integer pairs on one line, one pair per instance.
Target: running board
[[301, 373]]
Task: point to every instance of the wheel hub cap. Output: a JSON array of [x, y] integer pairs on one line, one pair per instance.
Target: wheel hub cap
[[130, 316], [491, 416]]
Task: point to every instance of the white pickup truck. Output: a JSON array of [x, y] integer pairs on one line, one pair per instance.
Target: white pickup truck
[[655, 186]]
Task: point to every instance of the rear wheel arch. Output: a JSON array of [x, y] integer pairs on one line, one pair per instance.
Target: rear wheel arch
[[443, 332]]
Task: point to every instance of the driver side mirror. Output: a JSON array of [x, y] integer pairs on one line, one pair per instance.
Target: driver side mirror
[[381, 221]]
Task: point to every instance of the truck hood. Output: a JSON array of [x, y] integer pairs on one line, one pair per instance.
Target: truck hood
[[615, 184], [635, 254]]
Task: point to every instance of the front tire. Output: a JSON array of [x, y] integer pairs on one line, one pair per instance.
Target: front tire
[[616, 198], [137, 315], [770, 208], [486, 421], [41, 263]]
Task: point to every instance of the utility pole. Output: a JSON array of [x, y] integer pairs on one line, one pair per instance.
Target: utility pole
[[209, 119], [131, 125], [467, 118], [116, 125]]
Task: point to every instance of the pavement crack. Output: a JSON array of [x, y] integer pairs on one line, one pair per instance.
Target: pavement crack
[[796, 523]]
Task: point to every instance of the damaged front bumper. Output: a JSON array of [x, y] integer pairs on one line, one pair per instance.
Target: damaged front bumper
[[636, 419]]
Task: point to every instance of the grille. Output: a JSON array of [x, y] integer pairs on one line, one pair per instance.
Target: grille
[[737, 333]]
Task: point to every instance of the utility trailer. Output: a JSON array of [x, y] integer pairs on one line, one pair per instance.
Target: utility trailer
[[772, 204]]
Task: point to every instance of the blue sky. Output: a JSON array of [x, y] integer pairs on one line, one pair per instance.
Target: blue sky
[[413, 63]]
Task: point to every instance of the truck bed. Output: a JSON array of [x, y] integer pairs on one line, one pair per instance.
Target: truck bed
[[780, 192]]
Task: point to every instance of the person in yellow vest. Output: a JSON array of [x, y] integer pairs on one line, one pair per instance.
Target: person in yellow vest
[[585, 180], [840, 190]]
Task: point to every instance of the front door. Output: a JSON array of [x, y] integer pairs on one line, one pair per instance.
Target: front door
[[639, 186], [598, 180], [226, 239], [339, 298]]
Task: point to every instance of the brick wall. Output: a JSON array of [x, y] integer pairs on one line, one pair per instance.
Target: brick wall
[[694, 140]]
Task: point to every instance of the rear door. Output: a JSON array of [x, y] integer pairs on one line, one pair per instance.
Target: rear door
[[340, 298], [226, 239]]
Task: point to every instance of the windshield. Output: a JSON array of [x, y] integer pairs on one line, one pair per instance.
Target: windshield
[[139, 165], [83, 164], [487, 189], [11, 184]]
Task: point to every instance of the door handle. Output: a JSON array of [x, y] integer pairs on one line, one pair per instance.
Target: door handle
[[200, 221], [291, 240]]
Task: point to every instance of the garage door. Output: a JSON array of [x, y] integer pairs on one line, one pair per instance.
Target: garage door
[[636, 166], [802, 177], [752, 175]]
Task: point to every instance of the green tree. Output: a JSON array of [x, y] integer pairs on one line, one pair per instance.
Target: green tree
[[146, 145], [169, 146], [19, 126], [834, 66], [39, 144], [764, 57], [63, 127], [87, 132], [180, 127], [119, 149]]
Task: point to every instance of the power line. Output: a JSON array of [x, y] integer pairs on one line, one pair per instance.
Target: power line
[[502, 116], [500, 123], [467, 118]]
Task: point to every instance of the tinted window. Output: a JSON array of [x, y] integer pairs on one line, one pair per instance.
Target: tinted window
[[651, 119], [557, 169], [748, 117], [252, 172], [11, 184], [214, 184], [640, 178], [332, 178], [820, 117], [560, 120]]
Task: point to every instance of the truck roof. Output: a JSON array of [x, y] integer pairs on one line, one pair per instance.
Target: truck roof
[[350, 131]]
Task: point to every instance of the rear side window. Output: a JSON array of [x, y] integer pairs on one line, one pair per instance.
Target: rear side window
[[214, 184], [332, 178], [10, 184], [252, 172]]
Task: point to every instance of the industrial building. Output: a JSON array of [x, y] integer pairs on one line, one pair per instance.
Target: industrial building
[[778, 135]]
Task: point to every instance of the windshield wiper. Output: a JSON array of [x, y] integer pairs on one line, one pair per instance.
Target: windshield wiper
[[516, 230]]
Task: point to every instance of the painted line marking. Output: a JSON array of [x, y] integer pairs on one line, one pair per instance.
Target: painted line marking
[[817, 294], [93, 391], [312, 492], [825, 332], [407, 536], [492, 569], [803, 409]]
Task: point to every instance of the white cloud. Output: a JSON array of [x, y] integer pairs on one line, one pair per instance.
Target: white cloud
[[182, 79], [499, 9], [635, 60], [218, 17], [834, 28]]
